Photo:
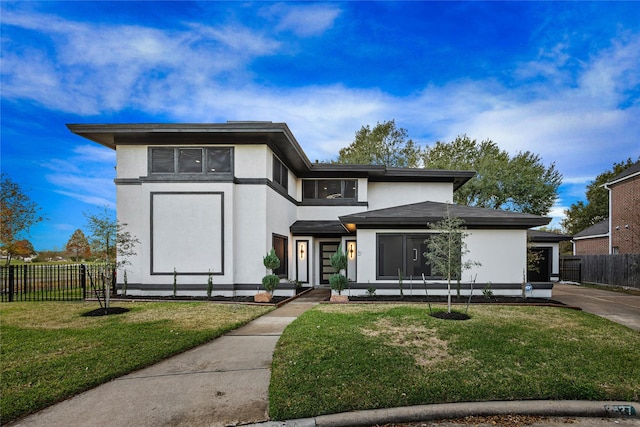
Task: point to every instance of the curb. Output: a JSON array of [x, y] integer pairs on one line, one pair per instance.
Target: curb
[[408, 414]]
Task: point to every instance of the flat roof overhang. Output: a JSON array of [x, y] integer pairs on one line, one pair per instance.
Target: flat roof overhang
[[277, 136]]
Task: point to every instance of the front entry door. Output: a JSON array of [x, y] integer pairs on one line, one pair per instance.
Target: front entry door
[[327, 249], [416, 261]]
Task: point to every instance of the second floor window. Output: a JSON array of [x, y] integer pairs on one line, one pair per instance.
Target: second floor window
[[167, 160], [329, 189], [280, 173]]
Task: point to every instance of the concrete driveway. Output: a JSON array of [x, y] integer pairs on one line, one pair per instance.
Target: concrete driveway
[[618, 307]]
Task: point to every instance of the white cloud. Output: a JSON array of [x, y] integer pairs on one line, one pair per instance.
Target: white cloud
[[303, 20], [579, 114]]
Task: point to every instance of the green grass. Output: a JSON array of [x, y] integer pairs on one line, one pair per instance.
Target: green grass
[[342, 358], [50, 352]]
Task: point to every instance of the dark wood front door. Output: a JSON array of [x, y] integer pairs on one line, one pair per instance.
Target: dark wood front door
[[326, 250]]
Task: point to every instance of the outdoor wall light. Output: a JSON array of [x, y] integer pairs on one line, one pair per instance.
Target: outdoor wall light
[[302, 248], [352, 251]]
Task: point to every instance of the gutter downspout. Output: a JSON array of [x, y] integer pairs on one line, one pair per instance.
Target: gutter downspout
[[606, 186]]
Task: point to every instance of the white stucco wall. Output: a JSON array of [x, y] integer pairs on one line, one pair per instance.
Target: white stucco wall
[[326, 213], [252, 161], [131, 161], [388, 194], [252, 212], [502, 253]]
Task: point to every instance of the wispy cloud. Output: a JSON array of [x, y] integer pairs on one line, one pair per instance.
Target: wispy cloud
[[564, 108], [303, 20]]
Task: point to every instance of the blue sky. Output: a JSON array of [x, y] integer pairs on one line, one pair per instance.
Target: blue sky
[[560, 79]]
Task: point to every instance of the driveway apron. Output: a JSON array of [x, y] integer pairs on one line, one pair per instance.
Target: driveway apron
[[224, 382], [615, 306]]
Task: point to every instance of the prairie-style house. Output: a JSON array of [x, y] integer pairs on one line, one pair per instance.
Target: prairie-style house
[[213, 199]]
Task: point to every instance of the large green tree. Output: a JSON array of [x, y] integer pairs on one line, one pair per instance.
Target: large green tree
[[385, 144], [18, 214], [583, 214], [520, 183]]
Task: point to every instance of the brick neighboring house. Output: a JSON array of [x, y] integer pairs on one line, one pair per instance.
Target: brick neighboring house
[[620, 233]]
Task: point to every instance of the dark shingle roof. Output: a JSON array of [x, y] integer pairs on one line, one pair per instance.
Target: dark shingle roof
[[318, 228], [546, 236], [420, 214], [598, 229], [631, 170]]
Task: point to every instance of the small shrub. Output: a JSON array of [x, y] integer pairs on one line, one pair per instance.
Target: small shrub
[[487, 291], [175, 282], [338, 282], [270, 282], [272, 262], [209, 285], [371, 291]]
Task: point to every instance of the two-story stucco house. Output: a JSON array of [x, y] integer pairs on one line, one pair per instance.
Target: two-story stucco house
[[215, 198]]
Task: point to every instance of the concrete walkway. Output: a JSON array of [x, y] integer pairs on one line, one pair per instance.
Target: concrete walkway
[[200, 387], [618, 307]]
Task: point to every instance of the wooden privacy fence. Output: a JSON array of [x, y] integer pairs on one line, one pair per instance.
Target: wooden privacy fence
[[613, 270], [33, 282]]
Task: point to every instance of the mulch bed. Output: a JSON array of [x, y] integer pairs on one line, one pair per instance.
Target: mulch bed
[[238, 299], [479, 299], [105, 311]]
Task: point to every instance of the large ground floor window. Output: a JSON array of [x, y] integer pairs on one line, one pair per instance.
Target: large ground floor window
[[404, 253]]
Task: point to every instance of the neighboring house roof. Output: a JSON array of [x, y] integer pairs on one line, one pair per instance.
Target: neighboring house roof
[[600, 229], [277, 136], [629, 172], [420, 214], [540, 236], [318, 228]]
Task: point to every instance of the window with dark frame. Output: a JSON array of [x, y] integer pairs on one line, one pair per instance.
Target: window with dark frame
[[280, 246], [329, 189], [404, 252], [280, 173], [191, 160]]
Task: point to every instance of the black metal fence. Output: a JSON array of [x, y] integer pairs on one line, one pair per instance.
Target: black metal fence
[[613, 270], [64, 282]]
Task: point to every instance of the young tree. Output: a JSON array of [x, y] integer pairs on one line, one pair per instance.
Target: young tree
[[78, 245], [385, 144], [582, 215], [109, 238], [446, 250], [520, 183], [17, 214]]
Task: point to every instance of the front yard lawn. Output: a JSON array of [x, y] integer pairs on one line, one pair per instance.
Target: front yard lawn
[[49, 351], [338, 358]]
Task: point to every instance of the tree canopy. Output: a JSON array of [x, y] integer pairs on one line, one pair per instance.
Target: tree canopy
[[18, 214], [108, 238], [385, 144], [582, 215], [78, 245], [519, 183]]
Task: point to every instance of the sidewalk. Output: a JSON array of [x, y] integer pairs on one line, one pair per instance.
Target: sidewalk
[[224, 382]]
